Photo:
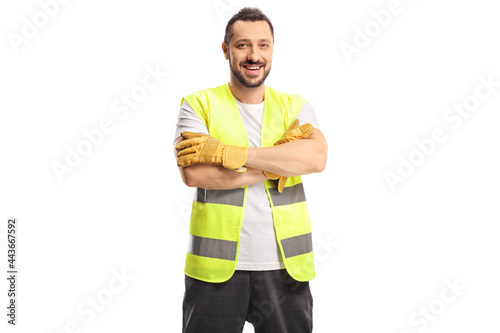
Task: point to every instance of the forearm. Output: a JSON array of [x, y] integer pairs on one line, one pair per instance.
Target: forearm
[[295, 158], [213, 177]]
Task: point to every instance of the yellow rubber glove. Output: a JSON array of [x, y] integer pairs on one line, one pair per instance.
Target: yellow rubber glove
[[294, 132], [202, 148]]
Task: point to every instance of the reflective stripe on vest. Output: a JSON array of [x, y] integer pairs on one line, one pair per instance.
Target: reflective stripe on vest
[[233, 197], [297, 245], [290, 195], [223, 249], [212, 248]]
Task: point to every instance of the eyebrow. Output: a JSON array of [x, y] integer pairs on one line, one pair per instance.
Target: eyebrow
[[248, 40]]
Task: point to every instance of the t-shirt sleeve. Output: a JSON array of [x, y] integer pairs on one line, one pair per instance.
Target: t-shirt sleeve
[[307, 115], [189, 121]]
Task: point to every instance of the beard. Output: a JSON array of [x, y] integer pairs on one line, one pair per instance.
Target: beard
[[243, 80]]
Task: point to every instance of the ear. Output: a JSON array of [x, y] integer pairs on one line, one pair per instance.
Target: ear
[[225, 50]]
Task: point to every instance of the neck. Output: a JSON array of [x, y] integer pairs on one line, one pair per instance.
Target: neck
[[247, 95]]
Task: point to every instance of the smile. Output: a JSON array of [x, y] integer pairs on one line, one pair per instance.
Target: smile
[[252, 69]]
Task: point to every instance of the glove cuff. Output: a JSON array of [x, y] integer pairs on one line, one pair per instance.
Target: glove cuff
[[271, 175], [235, 157]]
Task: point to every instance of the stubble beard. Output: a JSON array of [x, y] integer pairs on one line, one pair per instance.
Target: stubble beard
[[246, 83]]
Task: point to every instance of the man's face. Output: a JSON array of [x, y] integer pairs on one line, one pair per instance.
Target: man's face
[[250, 52]]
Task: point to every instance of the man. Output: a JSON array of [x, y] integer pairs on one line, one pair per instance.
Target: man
[[240, 144]]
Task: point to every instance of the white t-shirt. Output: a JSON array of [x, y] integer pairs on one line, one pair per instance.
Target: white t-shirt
[[258, 247]]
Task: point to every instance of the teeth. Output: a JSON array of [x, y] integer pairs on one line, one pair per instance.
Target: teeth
[[253, 68]]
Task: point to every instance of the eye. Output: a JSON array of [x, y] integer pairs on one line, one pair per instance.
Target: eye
[[264, 45], [242, 45]]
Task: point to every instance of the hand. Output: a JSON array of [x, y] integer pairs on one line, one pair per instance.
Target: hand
[[202, 148]]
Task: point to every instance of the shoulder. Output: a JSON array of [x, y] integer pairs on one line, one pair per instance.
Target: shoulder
[[199, 100], [292, 103]]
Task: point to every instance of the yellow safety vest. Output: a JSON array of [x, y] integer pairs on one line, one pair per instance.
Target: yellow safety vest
[[217, 215]]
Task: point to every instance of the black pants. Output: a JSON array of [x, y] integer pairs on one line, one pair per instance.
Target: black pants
[[271, 300]]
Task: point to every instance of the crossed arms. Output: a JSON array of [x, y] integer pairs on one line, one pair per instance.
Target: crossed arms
[[294, 158]]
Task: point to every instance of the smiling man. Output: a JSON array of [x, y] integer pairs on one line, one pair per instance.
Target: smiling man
[[244, 146]]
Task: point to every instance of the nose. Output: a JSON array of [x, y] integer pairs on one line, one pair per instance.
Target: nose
[[253, 54]]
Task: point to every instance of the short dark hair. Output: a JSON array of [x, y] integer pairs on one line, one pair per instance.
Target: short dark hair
[[246, 14]]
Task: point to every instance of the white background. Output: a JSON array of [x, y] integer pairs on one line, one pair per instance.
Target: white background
[[382, 254]]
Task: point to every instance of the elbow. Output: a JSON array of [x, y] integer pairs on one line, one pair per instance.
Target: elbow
[[202, 176], [188, 177], [190, 182], [314, 165], [320, 153], [320, 164]]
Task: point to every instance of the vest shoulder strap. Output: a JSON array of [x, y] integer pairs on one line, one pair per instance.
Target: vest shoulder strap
[[199, 100]]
